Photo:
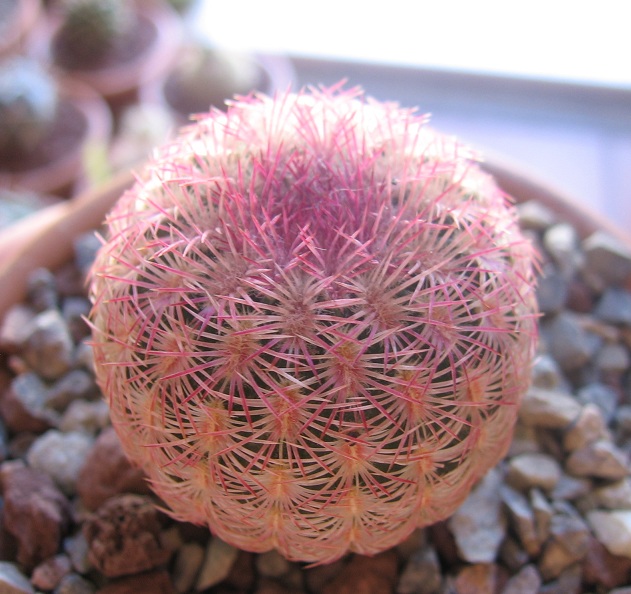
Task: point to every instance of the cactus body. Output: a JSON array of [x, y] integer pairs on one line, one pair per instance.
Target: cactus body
[[313, 319], [89, 29], [28, 105]]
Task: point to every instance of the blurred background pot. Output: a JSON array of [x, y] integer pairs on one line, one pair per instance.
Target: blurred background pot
[[17, 22]]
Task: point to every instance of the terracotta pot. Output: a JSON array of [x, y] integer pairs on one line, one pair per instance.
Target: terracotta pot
[[120, 84], [15, 32], [46, 237], [60, 174]]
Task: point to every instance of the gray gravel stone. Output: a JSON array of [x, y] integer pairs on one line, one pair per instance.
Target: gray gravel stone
[[478, 526], [87, 416], [615, 495], [614, 306], [603, 396], [568, 543], [606, 258], [612, 529], [75, 584], [567, 341], [74, 385], [218, 560], [561, 243], [552, 291], [16, 326], [526, 581], [521, 518], [49, 348], [600, 459], [590, 426], [534, 215], [553, 409], [12, 580], [613, 358], [188, 561], [272, 564], [421, 574], [42, 290], [533, 470], [546, 373], [61, 456], [543, 514]]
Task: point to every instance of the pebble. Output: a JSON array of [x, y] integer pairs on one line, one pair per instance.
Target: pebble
[[590, 426], [73, 583], [543, 513], [15, 327], [599, 459], [421, 574], [48, 574], [61, 456], [36, 513], [613, 529], [124, 537], [546, 373], [526, 581], [535, 216], [613, 358], [365, 575], [614, 307], [88, 416], [522, 519], [13, 581], [533, 470], [568, 544], [272, 564], [218, 560], [567, 341], [74, 385], [188, 561], [552, 291], [153, 582], [561, 243], [76, 547], [615, 495], [604, 570], [553, 409], [480, 578], [23, 405], [106, 472], [603, 396], [606, 258], [49, 349], [570, 488], [569, 582], [42, 290], [478, 525]]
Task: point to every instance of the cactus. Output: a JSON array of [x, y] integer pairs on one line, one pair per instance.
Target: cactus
[[313, 318], [28, 105], [89, 30]]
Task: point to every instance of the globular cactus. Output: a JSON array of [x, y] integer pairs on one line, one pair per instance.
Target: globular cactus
[[314, 319], [88, 30], [28, 106]]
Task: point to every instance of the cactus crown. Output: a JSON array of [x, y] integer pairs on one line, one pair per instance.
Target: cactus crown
[[89, 29], [28, 103], [313, 320]]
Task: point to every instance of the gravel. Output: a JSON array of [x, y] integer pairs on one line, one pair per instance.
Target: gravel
[[553, 517]]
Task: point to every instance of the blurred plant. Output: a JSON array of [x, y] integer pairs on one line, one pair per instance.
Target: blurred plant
[[89, 30], [314, 319], [205, 77], [28, 104]]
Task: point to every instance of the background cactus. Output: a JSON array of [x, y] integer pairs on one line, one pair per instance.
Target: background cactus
[[313, 319], [88, 30], [28, 105]]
